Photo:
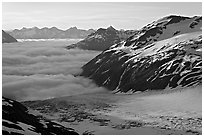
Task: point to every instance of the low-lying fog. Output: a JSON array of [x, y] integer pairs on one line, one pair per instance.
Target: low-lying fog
[[44, 69]]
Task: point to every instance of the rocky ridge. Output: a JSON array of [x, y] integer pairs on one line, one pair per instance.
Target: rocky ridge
[[166, 53]]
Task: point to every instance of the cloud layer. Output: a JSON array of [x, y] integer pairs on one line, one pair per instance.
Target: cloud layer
[[40, 70]]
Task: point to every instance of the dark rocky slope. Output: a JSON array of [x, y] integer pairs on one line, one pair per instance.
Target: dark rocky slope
[[6, 38], [16, 120], [102, 39], [166, 53]]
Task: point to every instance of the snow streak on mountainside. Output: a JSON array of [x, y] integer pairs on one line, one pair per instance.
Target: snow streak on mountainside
[[166, 53], [102, 39], [17, 120]]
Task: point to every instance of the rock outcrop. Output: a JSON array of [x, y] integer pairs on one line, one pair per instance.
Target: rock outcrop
[[18, 120]]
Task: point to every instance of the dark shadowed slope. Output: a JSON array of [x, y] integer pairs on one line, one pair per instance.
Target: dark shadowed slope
[[16, 119], [164, 54], [6, 38], [50, 33], [102, 39]]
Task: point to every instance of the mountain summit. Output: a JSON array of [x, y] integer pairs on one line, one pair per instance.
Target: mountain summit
[[166, 53], [102, 39], [111, 28]]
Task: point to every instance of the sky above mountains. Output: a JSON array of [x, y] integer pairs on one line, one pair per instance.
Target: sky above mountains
[[130, 15]]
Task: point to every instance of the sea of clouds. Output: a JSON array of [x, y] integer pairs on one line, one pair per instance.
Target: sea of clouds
[[41, 70]]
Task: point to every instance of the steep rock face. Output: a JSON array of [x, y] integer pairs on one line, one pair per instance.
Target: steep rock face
[[50, 33], [6, 38], [164, 54], [102, 39], [16, 119]]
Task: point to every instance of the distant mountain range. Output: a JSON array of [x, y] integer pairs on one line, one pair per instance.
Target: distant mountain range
[[103, 39], [50, 33], [166, 53], [6, 38]]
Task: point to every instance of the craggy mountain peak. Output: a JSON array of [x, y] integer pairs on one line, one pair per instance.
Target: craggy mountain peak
[[73, 28], [111, 28], [102, 39]]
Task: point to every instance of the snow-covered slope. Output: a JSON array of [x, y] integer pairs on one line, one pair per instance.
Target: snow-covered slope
[[166, 53], [17, 120], [102, 39]]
